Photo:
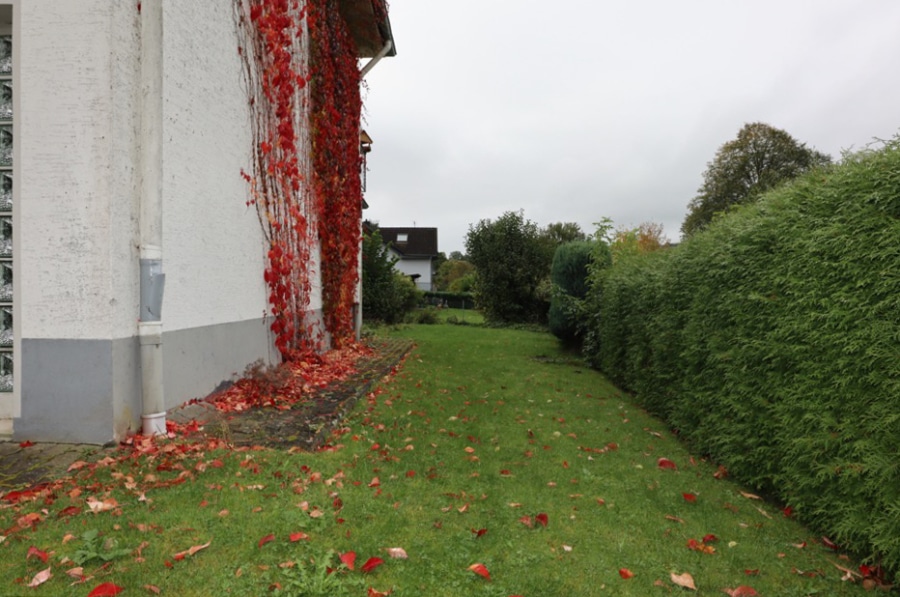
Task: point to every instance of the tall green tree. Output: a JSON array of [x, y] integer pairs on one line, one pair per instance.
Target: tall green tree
[[451, 272], [760, 158], [511, 260], [560, 233]]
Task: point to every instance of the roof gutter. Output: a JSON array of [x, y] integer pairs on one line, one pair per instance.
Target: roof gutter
[[388, 45]]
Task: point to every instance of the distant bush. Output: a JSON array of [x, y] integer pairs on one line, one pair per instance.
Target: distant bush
[[771, 341], [387, 294], [568, 275], [428, 316]]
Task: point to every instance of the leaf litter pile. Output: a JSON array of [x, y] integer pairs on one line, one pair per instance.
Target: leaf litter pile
[[472, 469]]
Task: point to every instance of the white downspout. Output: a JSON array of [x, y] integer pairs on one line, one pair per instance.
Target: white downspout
[[362, 73], [371, 63], [153, 410]]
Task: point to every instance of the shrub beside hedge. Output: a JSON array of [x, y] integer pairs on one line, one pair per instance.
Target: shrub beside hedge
[[568, 274], [771, 341]]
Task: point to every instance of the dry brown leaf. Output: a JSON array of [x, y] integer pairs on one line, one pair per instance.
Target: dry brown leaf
[[684, 580], [764, 513], [40, 578]]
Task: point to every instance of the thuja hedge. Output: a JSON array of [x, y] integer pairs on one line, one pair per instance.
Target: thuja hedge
[[771, 342], [569, 275]]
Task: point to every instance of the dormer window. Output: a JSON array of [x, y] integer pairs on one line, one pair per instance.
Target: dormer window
[[402, 237]]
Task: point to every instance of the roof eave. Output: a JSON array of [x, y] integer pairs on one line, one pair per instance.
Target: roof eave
[[369, 34]]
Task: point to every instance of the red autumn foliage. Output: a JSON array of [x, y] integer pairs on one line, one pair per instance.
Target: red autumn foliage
[[372, 564], [300, 202], [626, 573], [480, 570], [348, 559], [666, 464], [37, 553], [106, 589], [268, 538]]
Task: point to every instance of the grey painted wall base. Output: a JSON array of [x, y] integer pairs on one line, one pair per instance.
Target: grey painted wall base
[[89, 391]]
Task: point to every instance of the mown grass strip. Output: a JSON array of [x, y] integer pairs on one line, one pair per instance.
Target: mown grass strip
[[483, 436]]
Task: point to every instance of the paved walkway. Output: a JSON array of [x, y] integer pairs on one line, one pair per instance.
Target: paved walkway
[[25, 464]]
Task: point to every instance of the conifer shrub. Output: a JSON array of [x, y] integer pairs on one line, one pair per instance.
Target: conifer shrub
[[771, 342], [568, 274]]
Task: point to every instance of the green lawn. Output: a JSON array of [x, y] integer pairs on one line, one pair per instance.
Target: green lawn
[[481, 435]]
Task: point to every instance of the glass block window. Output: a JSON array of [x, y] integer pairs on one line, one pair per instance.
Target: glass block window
[[6, 214]]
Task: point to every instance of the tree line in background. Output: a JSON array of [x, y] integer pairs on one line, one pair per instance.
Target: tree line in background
[[511, 266]]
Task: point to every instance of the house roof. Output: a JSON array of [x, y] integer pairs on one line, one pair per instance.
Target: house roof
[[369, 33], [420, 242]]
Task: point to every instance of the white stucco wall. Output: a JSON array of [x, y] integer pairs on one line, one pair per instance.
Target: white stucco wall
[[75, 130], [213, 248]]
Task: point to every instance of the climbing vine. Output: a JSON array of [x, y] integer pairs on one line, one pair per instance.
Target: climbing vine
[[304, 179], [336, 107]]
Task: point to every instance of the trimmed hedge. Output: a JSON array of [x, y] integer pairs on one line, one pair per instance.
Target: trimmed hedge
[[771, 342]]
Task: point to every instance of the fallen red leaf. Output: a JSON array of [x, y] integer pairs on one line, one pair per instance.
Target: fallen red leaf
[[69, 511], [542, 519], [26, 444], [373, 593], [106, 589], [298, 536], [266, 539], [626, 573], [37, 553], [741, 591], [710, 538], [527, 521], [479, 532], [348, 559], [153, 589], [752, 572], [372, 564], [829, 543], [480, 570], [689, 497], [375, 482], [665, 463]]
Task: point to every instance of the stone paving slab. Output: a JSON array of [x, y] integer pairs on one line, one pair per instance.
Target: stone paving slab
[[26, 466]]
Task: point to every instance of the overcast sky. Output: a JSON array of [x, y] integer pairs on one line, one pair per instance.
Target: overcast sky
[[575, 110]]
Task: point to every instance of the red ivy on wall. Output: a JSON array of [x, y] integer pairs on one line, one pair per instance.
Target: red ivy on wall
[[336, 108], [304, 180]]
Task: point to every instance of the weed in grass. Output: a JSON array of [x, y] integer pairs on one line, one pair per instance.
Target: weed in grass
[[93, 549]]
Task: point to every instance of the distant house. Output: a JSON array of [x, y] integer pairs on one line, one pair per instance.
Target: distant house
[[415, 250]]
